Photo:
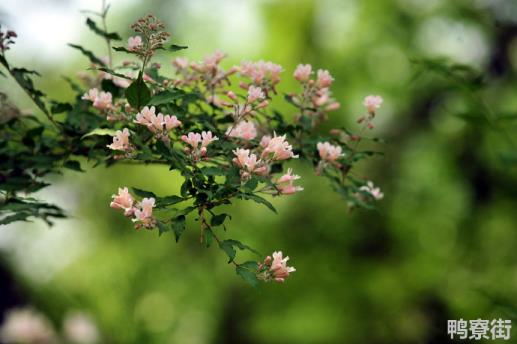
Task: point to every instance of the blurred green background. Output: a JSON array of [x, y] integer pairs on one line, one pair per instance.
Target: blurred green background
[[441, 245]]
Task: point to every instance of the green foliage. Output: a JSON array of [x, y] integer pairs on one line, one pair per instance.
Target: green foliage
[[90, 55], [107, 35], [138, 94]]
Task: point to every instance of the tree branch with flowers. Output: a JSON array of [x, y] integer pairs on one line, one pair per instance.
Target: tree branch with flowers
[[217, 127]]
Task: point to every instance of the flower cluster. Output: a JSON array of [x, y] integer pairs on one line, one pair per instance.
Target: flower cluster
[[372, 103], [101, 100], [315, 100], [206, 76], [372, 191], [198, 143], [275, 269], [142, 212], [159, 124], [263, 74], [151, 37], [121, 141], [213, 126]]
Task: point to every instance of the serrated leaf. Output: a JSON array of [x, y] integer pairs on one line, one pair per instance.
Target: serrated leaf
[[247, 275], [166, 97], [228, 246], [138, 94], [218, 220], [258, 199], [178, 226], [143, 193], [175, 47], [58, 107], [90, 55], [162, 202], [162, 228], [108, 35]]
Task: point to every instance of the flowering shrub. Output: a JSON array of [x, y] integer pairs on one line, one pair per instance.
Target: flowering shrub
[[216, 126]]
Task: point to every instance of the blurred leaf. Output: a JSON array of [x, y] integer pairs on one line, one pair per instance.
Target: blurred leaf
[[100, 132], [175, 47], [91, 56], [73, 165], [108, 35]]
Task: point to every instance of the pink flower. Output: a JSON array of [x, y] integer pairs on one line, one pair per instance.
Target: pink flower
[[244, 160], [278, 149], [24, 325], [171, 122], [303, 72], [324, 78], [372, 190], [91, 95], [134, 43], [285, 184], [192, 139], [207, 138], [329, 152], [255, 93], [146, 116], [372, 103], [101, 100], [156, 122], [244, 130], [261, 71], [180, 63], [214, 59], [279, 267], [123, 200], [264, 141], [144, 213], [121, 140]]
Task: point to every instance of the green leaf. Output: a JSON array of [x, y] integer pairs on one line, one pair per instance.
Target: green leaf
[[218, 220], [250, 264], [162, 202], [73, 165], [112, 72], [162, 228], [100, 132], [175, 47], [91, 56], [247, 275], [123, 49], [108, 35], [178, 226], [166, 97], [138, 94], [58, 107], [257, 199], [208, 237], [228, 246], [143, 193], [212, 171], [251, 184], [15, 217]]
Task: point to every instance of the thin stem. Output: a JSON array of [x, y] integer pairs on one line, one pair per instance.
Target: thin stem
[[105, 26]]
